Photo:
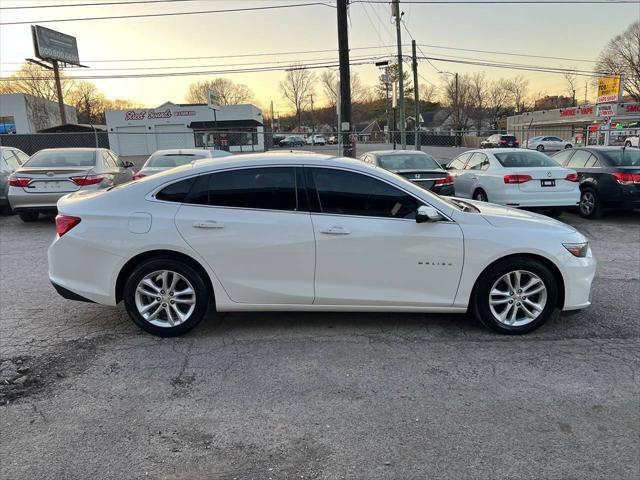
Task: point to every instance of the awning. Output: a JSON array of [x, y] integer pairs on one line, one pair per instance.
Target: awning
[[224, 124]]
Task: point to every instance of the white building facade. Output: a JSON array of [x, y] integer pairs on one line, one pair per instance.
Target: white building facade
[[21, 113], [235, 128]]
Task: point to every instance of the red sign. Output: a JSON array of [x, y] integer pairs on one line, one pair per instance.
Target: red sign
[[632, 108], [575, 111]]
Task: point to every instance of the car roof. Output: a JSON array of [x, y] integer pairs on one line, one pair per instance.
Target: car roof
[[181, 151], [396, 152], [495, 150]]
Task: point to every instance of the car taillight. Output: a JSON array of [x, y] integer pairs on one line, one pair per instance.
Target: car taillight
[[18, 181], [448, 180], [88, 180], [571, 177], [511, 179], [138, 176], [626, 178], [503, 142], [64, 223]]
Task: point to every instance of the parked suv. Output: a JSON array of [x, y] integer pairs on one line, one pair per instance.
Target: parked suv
[[500, 141], [609, 177], [53, 173]]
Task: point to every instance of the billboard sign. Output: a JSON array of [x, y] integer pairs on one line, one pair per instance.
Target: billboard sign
[[51, 45], [213, 100], [609, 89]]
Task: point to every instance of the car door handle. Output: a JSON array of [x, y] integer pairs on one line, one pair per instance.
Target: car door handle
[[335, 231], [208, 224]]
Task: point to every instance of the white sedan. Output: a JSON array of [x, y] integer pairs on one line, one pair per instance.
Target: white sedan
[[546, 143], [162, 160], [516, 178], [307, 232]]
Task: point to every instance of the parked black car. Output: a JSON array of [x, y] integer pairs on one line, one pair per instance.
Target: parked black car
[[609, 177], [500, 141], [417, 167], [293, 141]]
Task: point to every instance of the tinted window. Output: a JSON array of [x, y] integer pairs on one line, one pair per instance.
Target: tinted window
[[407, 161], [350, 193], [579, 159], [507, 137], [176, 192], [479, 161], [592, 162], [264, 188], [563, 156], [62, 158], [458, 163], [525, 159], [628, 157]]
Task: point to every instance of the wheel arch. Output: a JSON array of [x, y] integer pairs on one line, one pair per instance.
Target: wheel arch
[[133, 262], [553, 268], [479, 188]]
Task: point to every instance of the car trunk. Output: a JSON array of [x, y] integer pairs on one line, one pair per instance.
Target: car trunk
[[424, 178], [545, 179], [52, 179]]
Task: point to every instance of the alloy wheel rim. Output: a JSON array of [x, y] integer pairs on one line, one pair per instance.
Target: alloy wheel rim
[[517, 298], [587, 203], [165, 298]]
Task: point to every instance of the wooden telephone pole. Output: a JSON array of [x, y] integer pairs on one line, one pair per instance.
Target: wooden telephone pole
[[344, 128]]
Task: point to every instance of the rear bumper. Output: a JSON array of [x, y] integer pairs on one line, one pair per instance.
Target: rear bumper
[[21, 200]]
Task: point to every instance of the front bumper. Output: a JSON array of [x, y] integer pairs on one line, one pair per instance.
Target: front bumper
[[578, 276]]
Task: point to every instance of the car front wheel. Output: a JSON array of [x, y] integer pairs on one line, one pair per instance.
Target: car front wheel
[[166, 297], [515, 296], [540, 148]]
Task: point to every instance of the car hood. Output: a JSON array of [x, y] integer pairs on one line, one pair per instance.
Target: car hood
[[501, 216]]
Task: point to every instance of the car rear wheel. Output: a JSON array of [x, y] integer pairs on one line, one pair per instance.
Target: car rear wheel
[[480, 195], [590, 205], [627, 144], [515, 296], [540, 148], [568, 146], [29, 216], [166, 297]]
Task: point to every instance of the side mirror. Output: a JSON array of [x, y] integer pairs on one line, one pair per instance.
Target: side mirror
[[428, 214]]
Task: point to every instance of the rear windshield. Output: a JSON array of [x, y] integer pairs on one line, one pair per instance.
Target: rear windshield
[[62, 158], [525, 159], [172, 160], [628, 157], [507, 137], [407, 162]]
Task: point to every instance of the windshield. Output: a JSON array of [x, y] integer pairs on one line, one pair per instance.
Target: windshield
[[62, 158], [624, 157], [407, 162], [525, 160], [172, 160]]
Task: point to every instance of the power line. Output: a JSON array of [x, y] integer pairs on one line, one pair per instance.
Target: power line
[[173, 14], [96, 4], [501, 2]]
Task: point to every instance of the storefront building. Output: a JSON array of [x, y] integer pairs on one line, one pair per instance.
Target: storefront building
[[235, 128], [603, 124], [21, 113]]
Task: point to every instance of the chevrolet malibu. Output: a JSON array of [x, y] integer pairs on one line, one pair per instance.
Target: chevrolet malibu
[[306, 232]]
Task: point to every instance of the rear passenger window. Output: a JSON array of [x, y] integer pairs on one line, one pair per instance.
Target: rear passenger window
[[176, 192], [271, 188], [579, 159], [563, 156], [350, 193], [592, 162]]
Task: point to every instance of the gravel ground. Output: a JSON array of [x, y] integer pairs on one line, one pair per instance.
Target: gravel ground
[[318, 396]]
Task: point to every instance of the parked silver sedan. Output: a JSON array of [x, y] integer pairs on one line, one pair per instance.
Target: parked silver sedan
[[165, 159], [10, 160], [547, 143], [53, 173]]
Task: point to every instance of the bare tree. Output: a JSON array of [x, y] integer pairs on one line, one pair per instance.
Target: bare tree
[[518, 88], [229, 93], [428, 93], [457, 96], [477, 98], [497, 101], [296, 88], [89, 102], [37, 81], [622, 56], [330, 82], [571, 81]]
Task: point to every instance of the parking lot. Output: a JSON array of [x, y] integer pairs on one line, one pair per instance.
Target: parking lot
[[299, 395]]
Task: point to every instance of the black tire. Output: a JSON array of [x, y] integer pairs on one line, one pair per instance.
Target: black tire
[[540, 148], [480, 195], [554, 212], [29, 216], [627, 144], [486, 281], [568, 146], [590, 205], [202, 296]]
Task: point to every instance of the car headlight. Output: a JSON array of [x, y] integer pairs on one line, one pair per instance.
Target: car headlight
[[577, 249]]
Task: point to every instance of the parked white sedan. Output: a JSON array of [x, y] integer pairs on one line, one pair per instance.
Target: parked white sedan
[[546, 143], [162, 160], [310, 232], [516, 178]]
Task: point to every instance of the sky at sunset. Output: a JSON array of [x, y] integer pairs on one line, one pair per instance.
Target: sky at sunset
[[572, 31]]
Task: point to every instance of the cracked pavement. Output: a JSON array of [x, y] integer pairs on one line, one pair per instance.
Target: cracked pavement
[[319, 395]]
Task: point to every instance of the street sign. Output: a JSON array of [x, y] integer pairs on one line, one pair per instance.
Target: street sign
[[609, 89], [213, 100], [51, 45]]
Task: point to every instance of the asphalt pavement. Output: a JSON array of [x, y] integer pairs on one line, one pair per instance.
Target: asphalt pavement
[[318, 396]]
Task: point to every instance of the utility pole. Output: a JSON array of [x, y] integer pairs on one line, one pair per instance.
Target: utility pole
[[313, 128], [271, 116], [396, 13], [63, 111], [416, 95], [457, 114], [345, 80]]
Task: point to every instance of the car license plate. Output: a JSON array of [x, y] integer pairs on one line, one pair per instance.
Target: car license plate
[[548, 183], [50, 186]]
